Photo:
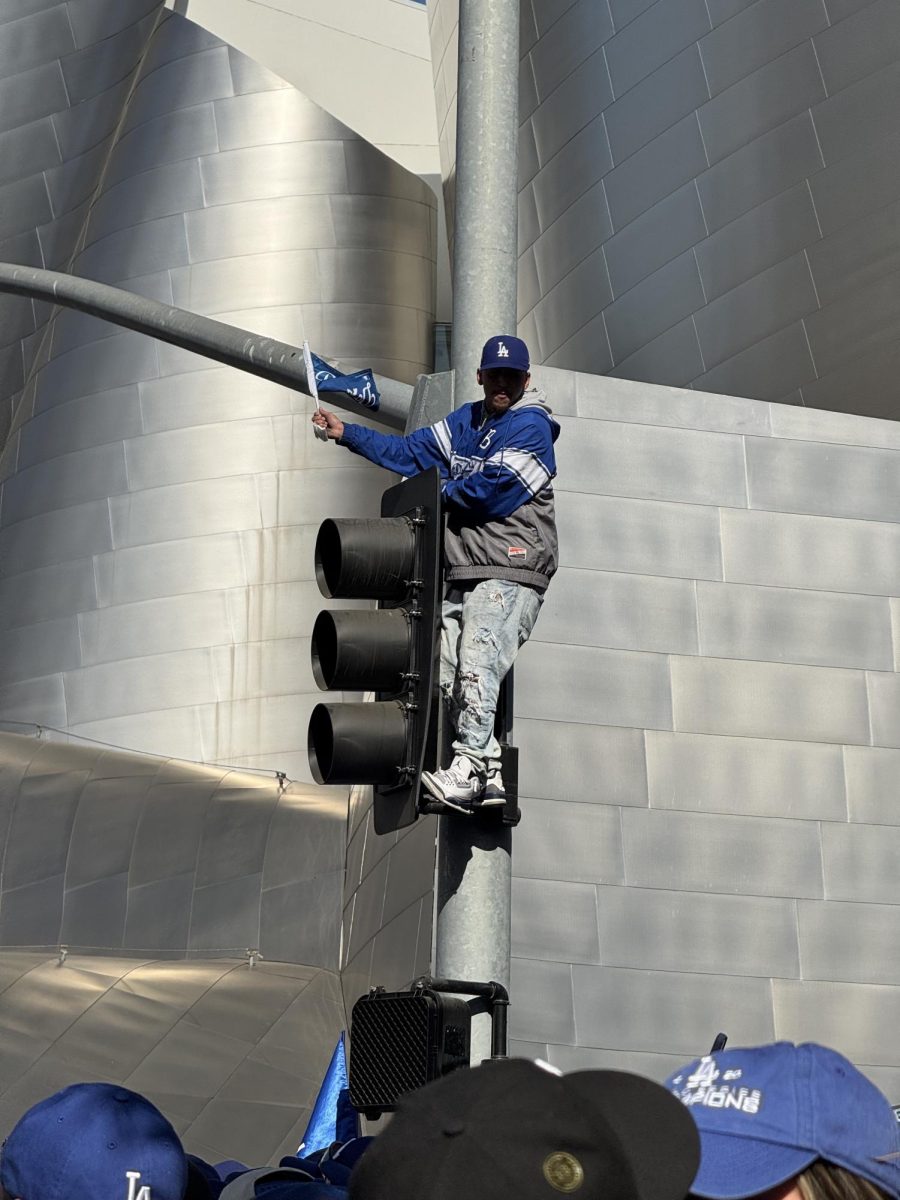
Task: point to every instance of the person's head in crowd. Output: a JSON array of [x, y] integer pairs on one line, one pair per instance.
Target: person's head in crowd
[[93, 1140], [789, 1123], [512, 1130]]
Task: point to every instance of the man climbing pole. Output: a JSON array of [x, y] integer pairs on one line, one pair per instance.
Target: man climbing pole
[[497, 465]]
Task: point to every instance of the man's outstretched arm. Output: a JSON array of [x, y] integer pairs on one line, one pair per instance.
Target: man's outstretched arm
[[405, 455]]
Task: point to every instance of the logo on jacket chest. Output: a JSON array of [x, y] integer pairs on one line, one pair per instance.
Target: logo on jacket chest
[[485, 443]]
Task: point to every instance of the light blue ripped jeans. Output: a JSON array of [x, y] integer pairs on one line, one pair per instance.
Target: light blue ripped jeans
[[482, 627]]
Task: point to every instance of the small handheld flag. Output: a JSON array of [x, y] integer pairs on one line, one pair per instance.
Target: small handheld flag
[[321, 434], [360, 384]]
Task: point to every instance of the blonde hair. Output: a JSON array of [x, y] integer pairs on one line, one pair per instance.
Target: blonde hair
[[824, 1181]]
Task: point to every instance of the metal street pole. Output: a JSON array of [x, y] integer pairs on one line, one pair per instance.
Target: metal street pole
[[474, 875]]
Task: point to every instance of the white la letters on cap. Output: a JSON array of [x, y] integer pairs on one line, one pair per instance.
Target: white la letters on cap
[[502, 351], [133, 1192]]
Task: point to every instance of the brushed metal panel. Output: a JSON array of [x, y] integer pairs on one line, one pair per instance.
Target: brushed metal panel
[[161, 192], [92, 20], [584, 1058], [847, 1016], [770, 96], [867, 41], [589, 347], [665, 1011], [578, 842], [752, 310], [724, 10], [31, 914], [367, 276], [41, 649], [705, 852], [529, 287], [54, 591], [286, 116], [103, 831], [261, 226], [759, 170], [601, 687], [783, 550], [766, 368], [255, 173], [854, 943], [855, 118], [857, 255], [741, 775], [136, 685], [674, 358], [555, 760], [101, 66], [242, 448], [652, 38], [23, 205], [25, 8], [314, 940], [800, 626], [656, 237], [64, 482], [758, 35], [73, 183], [180, 83], [817, 478], [209, 398], [648, 462], [872, 784], [608, 399], [624, 11], [155, 626], [249, 76], [566, 43], [35, 39], [94, 914], [379, 222], [884, 702], [838, 201], [28, 150], [761, 238], [578, 231], [581, 292], [158, 913], [580, 97], [685, 931], [555, 921], [187, 510], [392, 963], [606, 533], [96, 367], [145, 572], [545, 1002], [168, 138], [136, 251], [81, 128], [631, 612], [867, 377], [655, 171], [177, 732], [649, 108], [54, 538], [225, 915], [752, 699], [654, 305]]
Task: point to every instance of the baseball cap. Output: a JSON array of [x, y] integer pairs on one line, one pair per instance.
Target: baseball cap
[[510, 1130], [94, 1139], [765, 1113], [504, 350]]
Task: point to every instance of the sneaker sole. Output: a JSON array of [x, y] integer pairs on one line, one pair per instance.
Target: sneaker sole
[[457, 806]]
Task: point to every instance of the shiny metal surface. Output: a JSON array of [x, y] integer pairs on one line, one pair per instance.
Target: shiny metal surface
[[690, 206]]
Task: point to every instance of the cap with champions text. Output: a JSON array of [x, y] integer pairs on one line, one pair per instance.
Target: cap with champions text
[[504, 350], [94, 1139], [511, 1130], [766, 1113]]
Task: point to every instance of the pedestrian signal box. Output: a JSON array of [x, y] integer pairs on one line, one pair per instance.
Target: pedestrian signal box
[[390, 651]]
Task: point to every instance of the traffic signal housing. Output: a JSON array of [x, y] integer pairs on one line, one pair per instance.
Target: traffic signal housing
[[396, 560]]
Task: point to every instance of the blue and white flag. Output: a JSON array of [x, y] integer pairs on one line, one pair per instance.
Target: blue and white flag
[[333, 1118], [360, 384]]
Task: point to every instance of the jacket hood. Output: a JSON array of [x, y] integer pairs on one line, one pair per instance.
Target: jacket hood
[[536, 398]]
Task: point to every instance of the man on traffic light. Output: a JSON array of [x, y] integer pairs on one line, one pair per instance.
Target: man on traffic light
[[497, 464]]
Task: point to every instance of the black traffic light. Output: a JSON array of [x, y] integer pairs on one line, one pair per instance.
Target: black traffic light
[[395, 559]]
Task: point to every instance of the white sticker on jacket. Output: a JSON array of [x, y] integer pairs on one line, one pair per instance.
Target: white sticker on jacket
[[516, 552]]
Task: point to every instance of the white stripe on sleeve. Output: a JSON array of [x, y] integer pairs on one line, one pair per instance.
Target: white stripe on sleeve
[[527, 468]]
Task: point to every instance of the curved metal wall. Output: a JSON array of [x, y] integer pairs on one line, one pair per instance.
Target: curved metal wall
[[157, 512], [708, 196]]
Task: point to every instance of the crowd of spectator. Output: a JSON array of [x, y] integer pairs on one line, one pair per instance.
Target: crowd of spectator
[[781, 1122]]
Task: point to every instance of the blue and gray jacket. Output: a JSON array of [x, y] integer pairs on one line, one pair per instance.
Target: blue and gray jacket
[[497, 485]]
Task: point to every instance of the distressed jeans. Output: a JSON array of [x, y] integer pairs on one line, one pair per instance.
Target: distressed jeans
[[482, 627]]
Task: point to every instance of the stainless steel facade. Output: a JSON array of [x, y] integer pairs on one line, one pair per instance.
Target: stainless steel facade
[[157, 512], [707, 192]]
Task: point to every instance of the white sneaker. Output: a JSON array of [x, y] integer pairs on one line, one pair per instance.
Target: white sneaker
[[494, 792], [458, 786]]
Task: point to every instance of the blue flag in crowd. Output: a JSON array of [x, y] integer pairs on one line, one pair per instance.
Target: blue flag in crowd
[[360, 384], [333, 1119]]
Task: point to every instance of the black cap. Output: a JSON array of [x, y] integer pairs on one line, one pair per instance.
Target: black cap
[[513, 1130]]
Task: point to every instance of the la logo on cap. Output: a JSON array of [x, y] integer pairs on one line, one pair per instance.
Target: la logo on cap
[[135, 1193], [502, 351]]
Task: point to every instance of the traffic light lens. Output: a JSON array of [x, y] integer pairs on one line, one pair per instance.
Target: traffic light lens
[[357, 743], [365, 559], [358, 650]]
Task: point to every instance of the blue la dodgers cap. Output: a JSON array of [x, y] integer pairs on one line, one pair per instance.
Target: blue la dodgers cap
[[766, 1113], [94, 1139], [504, 350]]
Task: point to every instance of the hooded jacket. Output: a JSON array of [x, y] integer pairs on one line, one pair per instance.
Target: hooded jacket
[[497, 474]]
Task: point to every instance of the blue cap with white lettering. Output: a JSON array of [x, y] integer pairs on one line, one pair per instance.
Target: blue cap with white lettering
[[504, 350], [766, 1113], [94, 1139]]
